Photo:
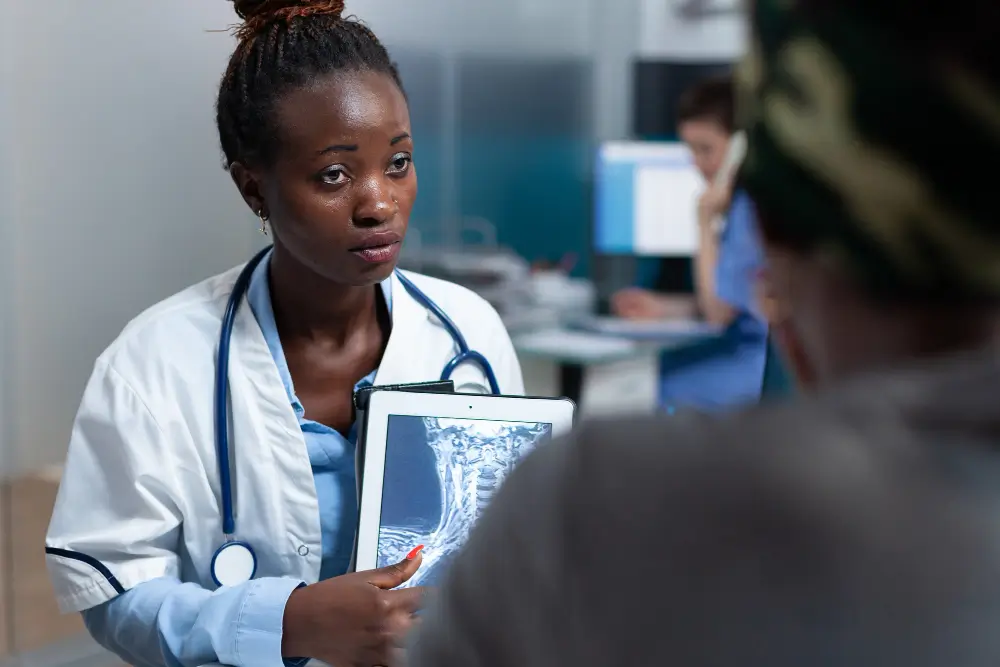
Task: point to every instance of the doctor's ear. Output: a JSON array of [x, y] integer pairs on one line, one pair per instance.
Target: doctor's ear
[[249, 185]]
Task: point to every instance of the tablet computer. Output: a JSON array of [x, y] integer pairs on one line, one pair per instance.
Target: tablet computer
[[434, 461]]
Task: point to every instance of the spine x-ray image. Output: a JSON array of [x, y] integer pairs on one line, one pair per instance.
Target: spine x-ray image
[[439, 476]]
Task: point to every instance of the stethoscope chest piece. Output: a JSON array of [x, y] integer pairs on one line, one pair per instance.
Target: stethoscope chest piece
[[233, 564]]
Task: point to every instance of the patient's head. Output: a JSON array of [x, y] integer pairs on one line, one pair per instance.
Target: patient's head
[[871, 128]]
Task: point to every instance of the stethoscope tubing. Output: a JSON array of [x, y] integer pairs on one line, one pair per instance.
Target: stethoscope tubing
[[465, 355]]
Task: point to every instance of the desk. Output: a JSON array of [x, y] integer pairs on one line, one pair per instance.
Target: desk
[[603, 374]]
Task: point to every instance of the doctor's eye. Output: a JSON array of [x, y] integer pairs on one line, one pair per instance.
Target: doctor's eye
[[400, 164], [334, 176]]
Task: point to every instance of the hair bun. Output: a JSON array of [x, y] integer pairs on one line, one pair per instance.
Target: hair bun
[[269, 10]]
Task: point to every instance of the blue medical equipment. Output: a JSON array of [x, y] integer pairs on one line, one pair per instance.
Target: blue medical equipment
[[235, 561]]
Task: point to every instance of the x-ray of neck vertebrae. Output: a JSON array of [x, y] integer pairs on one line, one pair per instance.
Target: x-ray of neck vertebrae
[[472, 458]]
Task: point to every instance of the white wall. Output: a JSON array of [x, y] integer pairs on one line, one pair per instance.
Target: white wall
[[511, 27], [718, 32], [607, 32], [613, 38], [6, 134], [115, 193]]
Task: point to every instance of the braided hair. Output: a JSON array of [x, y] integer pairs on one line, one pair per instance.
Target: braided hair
[[284, 45]]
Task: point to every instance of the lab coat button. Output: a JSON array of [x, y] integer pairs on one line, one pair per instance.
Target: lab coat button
[[303, 550]]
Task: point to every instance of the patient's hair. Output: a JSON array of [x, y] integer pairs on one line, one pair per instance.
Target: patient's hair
[[962, 31], [930, 34], [712, 100], [284, 45]]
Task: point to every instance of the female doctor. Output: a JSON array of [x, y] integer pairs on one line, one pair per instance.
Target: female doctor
[[315, 129]]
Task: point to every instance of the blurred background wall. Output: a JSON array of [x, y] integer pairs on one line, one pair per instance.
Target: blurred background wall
[[112, 194], [115, 196]]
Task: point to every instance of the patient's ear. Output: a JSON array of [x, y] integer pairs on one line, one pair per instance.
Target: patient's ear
[[771, 307], [773, 302]]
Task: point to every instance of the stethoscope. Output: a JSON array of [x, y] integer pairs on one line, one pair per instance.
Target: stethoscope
[[235, 562]]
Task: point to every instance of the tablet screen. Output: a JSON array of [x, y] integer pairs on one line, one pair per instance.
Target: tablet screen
[[439, 476]]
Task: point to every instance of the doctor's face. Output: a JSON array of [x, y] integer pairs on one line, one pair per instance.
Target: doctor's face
[[342, 185]]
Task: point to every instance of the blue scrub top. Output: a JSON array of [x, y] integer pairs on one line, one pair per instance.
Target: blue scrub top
[[730, 372], [330, 453]]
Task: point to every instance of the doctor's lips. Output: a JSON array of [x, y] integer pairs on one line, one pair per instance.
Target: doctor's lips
[[379, 247]]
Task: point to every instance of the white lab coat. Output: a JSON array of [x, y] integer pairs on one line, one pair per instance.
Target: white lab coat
[[140, 495]]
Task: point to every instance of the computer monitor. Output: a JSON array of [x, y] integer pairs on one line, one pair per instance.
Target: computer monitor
[[646, 200]]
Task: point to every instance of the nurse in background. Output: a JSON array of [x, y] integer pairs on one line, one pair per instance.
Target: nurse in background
[[728, 262]]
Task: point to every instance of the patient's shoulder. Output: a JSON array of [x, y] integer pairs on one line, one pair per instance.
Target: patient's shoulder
[[773, 445], [814, 485], [690, 540], [827, 470]]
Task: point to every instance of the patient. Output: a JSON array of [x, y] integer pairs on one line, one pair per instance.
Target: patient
[[855, 525]]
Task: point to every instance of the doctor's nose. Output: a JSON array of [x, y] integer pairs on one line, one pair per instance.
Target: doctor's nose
[[376, 204]]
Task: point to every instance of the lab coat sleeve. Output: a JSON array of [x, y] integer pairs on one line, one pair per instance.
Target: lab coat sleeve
[[116, 522], [165, 623]]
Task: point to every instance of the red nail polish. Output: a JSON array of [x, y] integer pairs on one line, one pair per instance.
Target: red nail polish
[[413, 554]]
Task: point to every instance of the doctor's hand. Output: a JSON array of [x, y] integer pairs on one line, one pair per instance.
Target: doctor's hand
[[353, 620]]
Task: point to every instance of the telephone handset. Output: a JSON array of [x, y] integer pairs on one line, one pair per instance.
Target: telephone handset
[[735, 154]]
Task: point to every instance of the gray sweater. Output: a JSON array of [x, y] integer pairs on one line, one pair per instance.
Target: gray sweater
[[859, 528]]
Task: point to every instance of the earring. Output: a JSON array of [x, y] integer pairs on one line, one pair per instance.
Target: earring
[[263, 222]]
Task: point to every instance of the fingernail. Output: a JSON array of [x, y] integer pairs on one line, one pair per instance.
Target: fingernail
[[413, 554]]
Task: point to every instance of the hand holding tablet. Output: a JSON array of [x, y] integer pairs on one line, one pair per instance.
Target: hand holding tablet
[[355, 618], [432, 463]]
